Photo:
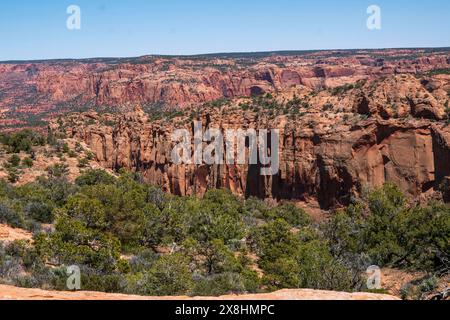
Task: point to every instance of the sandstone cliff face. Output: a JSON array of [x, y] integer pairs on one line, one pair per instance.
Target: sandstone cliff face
[[328, 156], [42, 89]]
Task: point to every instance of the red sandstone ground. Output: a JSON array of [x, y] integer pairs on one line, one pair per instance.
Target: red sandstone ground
[[8, 234], [14, 293]]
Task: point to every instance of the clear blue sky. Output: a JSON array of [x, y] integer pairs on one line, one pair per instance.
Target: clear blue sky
[[36, 29]]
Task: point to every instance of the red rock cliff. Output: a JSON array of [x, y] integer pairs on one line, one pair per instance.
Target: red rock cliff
[[385, 131], [38, 90]]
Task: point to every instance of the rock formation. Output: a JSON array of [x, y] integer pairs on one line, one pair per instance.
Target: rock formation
[[33, 91], [332, 146]]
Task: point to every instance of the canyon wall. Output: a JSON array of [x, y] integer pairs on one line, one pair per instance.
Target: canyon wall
[[329, 156], [35, 91]]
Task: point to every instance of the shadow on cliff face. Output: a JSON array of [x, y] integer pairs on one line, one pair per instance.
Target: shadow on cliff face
[[335, 185], [255, 183], [442, 163], [256, 91]]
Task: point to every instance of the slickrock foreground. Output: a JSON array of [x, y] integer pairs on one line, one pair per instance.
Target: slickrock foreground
[[14, 293]]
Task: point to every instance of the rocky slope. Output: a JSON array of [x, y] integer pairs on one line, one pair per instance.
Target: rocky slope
[[333, 143], [14, 293], [35, 91], [44, 158]]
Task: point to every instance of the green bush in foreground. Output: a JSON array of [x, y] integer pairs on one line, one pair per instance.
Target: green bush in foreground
[[127, 236], [393, 233]]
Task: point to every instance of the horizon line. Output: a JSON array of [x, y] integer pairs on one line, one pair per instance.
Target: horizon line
[[222, 54]]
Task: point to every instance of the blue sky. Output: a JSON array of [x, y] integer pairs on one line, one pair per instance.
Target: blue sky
[[36, 29]]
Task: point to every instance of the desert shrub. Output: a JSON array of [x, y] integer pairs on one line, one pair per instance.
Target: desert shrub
[[6, 189], [83, 163], [72, 154], [383, 227], [284, 272], [22, 141], [344, 231], [10, 268], [32, 203], [327, 107], [89, 156], [39, 211], [86, 210], [343, 89], [22, 250], [94, 177], [214, 258], [124, 212], [169, 275], [419, 289], [58, 170], [219, 217], [59, 189], [78, 147], [292, 260], [296, 217], [13, 174], [217, 270], [20, 265], [14, 160], [142, 260], [156, 196], [37, 276], [424, 235], [93, 280], [397, 235], [27, 162], [124, 204], [429, 284], [380, 228], [370, 226], [276, 246], [167, 226], [274, 240], [319, 270], [256, 208], [10, 216], [65, 148], [31, 191], [74, 244]]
